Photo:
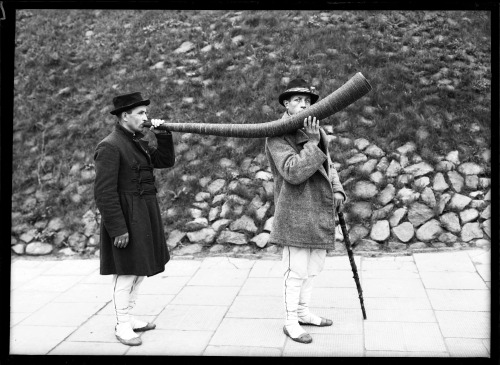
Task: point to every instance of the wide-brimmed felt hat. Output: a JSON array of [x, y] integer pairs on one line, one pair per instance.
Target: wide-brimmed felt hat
[[128, 101], [298, 86]]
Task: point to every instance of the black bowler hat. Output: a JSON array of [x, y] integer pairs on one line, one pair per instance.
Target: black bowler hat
[[298, 86], [127, 101]]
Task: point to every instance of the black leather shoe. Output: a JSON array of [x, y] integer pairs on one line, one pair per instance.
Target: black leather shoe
[[324, 322], [303, 338]]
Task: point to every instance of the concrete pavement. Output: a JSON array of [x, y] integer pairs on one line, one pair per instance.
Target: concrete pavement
[[433, 304]]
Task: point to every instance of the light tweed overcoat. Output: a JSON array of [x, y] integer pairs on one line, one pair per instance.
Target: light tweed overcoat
[[304, 183]]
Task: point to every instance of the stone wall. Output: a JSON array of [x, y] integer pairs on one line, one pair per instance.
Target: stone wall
[[396, 202]]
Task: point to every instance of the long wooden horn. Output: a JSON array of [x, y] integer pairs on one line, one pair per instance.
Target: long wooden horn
[[355, 88]]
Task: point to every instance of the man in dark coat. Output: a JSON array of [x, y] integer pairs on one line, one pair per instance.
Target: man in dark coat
[[307, 192], [133, 242]]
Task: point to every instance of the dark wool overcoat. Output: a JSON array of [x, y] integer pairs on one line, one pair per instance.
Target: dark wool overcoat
[[125, 195], [304, 183]]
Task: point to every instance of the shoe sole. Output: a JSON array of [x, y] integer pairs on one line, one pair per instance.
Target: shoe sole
[[295, 339], [144, 329], [316, 325], [126, 342]]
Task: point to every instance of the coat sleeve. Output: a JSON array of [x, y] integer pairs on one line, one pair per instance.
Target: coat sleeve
[[337, 186], [107, 164], [163, 156], [294, 167]]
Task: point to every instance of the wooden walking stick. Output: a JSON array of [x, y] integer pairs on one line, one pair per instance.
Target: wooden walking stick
[[351, 260]]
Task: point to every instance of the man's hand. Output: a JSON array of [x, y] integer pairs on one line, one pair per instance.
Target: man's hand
[[121, 241], [338, 201], [311, 127], [155, 123]]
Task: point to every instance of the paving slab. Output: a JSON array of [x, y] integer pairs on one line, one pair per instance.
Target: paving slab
[[83, 293], [466, 347], [335, 279], [160, 284], [399, 288], [341, 262], [242, 351], [267, 269], [249, 332], [460, 299], [191, 317], [397, 303], [401, 315], [335, 297], [225, 262], [444, 261], [61, 314], [206, 295], [219, 277], [452, 280], [464, 324], [346, 321], [400, 336], [327, 345], [406, 354], [50, 283], [262, 287], [89, 349], [370, 264], [172, 343], [73, 267], [37, 340], [180, 267], [256, 307], [30, 301], [146, 305]]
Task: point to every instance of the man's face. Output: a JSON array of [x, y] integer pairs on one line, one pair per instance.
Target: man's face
[[133, 119], [298, 102]]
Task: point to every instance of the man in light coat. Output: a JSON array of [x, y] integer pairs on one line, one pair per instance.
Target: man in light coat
[[307, 193], [133, 242]]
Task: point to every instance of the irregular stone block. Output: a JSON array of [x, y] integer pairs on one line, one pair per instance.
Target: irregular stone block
[[448, 238], [365, 190], [440, 183], [456, 181], [357, 233], [468, 215], [196, 224], [429, 231], [419, 214], [231, 237], [458, 202], [470, 168], [380, 231], [404, 232], [221, 224], [362, 210], [387, 194], [428, 197], [397, 215], [471, 231], [39, 248], [245, 223], [443, 200], [204, 236], [382, 213], [450, 222], [419, 169], [261, 239]]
